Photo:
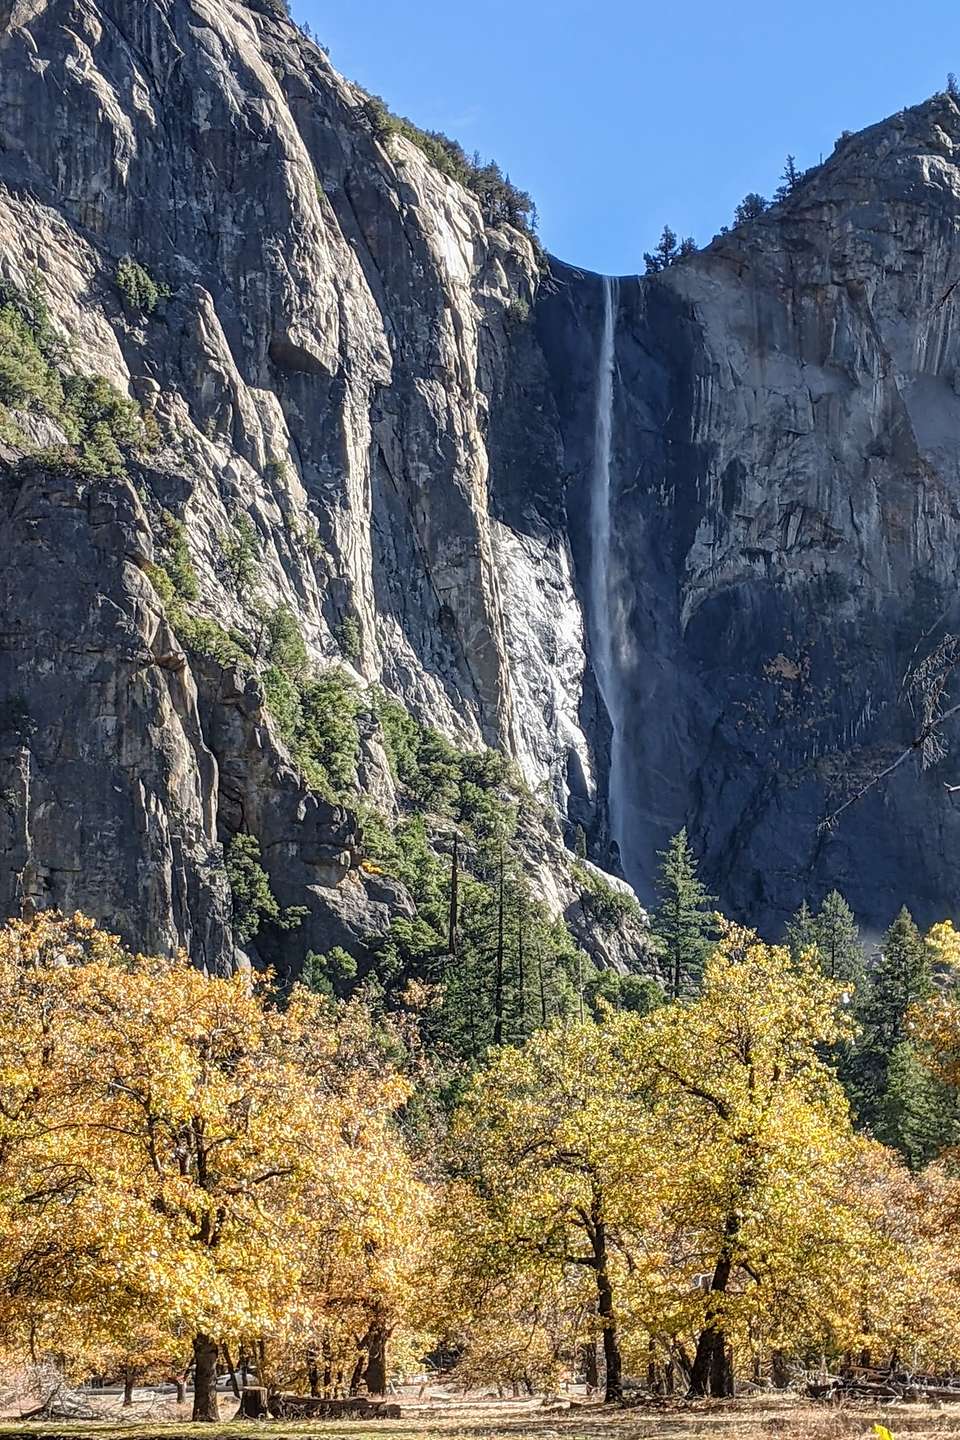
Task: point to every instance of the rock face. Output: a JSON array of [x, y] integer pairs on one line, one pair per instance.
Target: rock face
[[785, 497], [347, 360], [335, 344]]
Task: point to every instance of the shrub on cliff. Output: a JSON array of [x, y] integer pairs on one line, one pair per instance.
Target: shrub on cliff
[[501, 202], [254, 903], [139, 291]]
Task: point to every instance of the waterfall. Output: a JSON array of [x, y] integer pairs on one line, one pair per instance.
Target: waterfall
[[602, 617]]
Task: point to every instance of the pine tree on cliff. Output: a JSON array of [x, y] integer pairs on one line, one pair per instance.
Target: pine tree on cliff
[[681, 922], [790, 180], [668, 251], [751, 207]]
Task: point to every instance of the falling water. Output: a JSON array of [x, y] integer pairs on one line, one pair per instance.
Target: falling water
[[602, 618]]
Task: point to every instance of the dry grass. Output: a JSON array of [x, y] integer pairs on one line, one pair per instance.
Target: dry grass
[[771, 1418]]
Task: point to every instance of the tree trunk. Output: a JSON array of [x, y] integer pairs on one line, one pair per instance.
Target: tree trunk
[[181, 1383], [613, 1387], [454, 914], [591, 1370], [205, 1352], [234, 1383], [253, 1403], [313, 1373], [360, 1366], [128, 1383], [721, 1370], [498, 974], [779, 1370], [376, 1371], [651, 1366], [709, 1361]]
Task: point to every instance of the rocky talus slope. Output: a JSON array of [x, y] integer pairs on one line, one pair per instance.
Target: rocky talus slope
[[362, 405]]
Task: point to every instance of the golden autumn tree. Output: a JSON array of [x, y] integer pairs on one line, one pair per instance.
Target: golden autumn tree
[[174, 1149], [363, 1239], [56, 1208], [549, 1158], [695, 1161], [753, 1136]]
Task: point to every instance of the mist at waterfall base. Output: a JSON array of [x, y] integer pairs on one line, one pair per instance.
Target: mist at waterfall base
[[607, 631]]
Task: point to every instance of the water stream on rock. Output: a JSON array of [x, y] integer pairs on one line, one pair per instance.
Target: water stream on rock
[[602, 617]]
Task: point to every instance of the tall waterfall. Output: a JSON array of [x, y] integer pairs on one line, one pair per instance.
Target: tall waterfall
[[602, 608]]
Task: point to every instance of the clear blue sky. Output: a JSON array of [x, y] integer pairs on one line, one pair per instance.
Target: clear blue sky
[[618, 115]]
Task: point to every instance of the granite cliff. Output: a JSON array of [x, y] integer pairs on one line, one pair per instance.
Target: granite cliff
[[362, 404]]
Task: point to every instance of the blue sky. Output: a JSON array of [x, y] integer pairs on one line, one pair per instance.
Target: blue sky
[[621, 116]]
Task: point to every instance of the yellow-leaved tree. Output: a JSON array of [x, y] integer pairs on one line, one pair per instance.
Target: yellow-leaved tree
[[694, 1161], [549, 1162], [179, 1155], [755, 1143]]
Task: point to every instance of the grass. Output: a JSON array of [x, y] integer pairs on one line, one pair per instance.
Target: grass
[[760, 1418]]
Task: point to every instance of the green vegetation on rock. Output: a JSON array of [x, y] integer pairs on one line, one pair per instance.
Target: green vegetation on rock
[[254, 903], [500, 200], [98, 422], [139, 291]]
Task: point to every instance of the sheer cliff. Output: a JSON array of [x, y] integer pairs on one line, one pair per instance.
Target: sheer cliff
[[785, 488], [360, 403], [317, 388]]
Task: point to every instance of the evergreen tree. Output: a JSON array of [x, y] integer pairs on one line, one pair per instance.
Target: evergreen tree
[[892, 1094], [953, 87], [668, 251], [916, 1114], [751, 207], [837, 938], [665, 253], [790, 180], [801, 931], [902, 976], [833, 933], [681, 923]]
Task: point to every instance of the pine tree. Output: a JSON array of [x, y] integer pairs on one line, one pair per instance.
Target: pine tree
[[800, 934], [665, 253], [833, 933], [891, 1093], [681, 922], [953, 87], [838, 940], [916, 1114], [751, 207], [902, 976], [790, 180]]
